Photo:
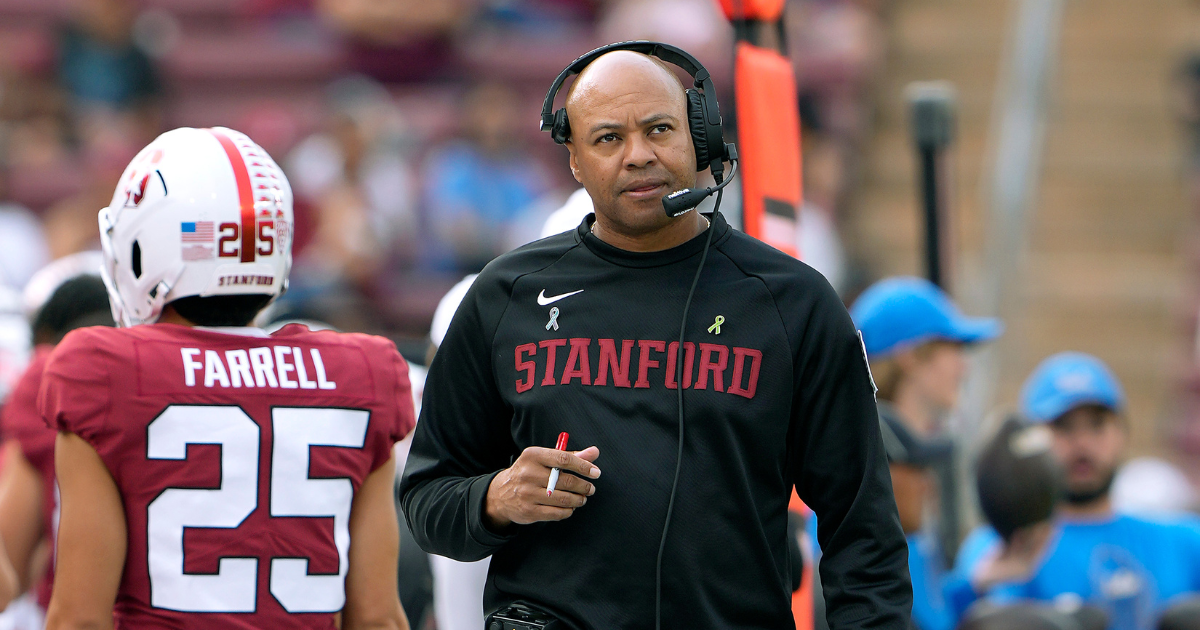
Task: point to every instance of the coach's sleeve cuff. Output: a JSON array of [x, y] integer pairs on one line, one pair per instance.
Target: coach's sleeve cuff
[[476, 525]]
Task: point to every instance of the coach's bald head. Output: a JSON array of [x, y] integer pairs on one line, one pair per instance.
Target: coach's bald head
[[620, 71], [630, 145]]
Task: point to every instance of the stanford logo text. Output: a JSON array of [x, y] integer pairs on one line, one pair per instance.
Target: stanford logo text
[[724, 369], [227, 281]]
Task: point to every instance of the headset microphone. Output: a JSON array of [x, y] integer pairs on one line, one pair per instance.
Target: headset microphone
[[681, 201]]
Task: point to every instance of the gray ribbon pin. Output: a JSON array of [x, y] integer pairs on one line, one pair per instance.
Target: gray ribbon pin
[[553, 319]]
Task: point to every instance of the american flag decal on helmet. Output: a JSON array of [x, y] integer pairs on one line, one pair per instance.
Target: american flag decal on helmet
[[196, 240]]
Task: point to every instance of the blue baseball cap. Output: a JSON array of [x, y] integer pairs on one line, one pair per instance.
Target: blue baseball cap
[[898, 313], [1066, 381]]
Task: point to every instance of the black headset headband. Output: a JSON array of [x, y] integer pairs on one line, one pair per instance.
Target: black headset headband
[[700, 77]]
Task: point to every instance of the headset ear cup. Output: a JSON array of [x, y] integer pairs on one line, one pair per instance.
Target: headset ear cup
[[699, 129], [561, 131]]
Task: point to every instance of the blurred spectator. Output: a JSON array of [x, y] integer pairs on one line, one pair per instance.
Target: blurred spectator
[[478, 186], [696, 26], [1151, 486], [542, 18], [104, 73], [22, 242], [824, 176], [820, 246], [33, 115], [71, 223], [531, 222], [356, 175], [273, 124], [16, 342], [824, 167], [1130, 566], [914, 337], [909, 460], [399, 40], [837, 47], [570, 215]]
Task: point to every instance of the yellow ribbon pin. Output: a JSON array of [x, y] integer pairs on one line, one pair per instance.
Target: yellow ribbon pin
[[716, 327]]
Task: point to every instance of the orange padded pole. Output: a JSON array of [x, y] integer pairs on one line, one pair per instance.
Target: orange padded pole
[[761, 10], [802, 600], [769, 145]]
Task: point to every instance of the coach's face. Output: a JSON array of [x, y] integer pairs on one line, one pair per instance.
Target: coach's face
[[630, 144]]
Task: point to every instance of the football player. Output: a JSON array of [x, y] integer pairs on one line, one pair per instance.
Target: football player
[[212, 475], [27, 503]]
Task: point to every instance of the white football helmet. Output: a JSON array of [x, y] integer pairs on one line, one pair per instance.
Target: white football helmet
[[198, 212]]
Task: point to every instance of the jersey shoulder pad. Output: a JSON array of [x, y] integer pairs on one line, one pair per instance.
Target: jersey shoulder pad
[[75, 390]]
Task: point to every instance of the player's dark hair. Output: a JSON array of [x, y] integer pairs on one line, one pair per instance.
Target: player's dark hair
[[78, 302], [221, 310], [1017, 477]]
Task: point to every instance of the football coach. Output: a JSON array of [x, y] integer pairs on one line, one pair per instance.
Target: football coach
[[579, 333]]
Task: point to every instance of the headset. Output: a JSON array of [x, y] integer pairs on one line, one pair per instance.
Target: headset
[[704, 121], [704, 118]]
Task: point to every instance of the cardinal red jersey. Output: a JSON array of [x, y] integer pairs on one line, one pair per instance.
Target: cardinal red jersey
[[20, 421], [237, 458]]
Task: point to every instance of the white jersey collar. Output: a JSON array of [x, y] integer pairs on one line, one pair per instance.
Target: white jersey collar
[[244, 331]]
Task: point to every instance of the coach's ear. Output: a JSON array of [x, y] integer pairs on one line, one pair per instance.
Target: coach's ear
[[574, 163]]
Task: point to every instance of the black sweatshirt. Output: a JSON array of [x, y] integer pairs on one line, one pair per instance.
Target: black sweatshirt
[[777, 394]]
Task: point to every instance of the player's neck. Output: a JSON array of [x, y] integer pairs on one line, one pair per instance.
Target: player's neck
[[171, 316]]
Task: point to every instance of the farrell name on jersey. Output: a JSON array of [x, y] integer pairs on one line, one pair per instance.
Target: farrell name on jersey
[[280, 367]]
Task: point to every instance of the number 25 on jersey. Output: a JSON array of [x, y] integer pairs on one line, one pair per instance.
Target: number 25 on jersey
[[233, 588]]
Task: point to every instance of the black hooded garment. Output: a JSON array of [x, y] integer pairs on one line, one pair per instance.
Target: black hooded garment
[[571, 334]]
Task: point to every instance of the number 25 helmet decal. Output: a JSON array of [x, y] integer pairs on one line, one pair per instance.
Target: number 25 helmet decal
[[198, 212]]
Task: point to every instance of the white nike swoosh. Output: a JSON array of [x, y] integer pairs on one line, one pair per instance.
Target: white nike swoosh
[[543, 300]]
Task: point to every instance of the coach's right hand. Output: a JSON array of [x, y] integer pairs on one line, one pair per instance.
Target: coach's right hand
[[518, 493]]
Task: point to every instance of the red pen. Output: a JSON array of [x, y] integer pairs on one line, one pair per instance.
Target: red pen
[[554, 472]]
